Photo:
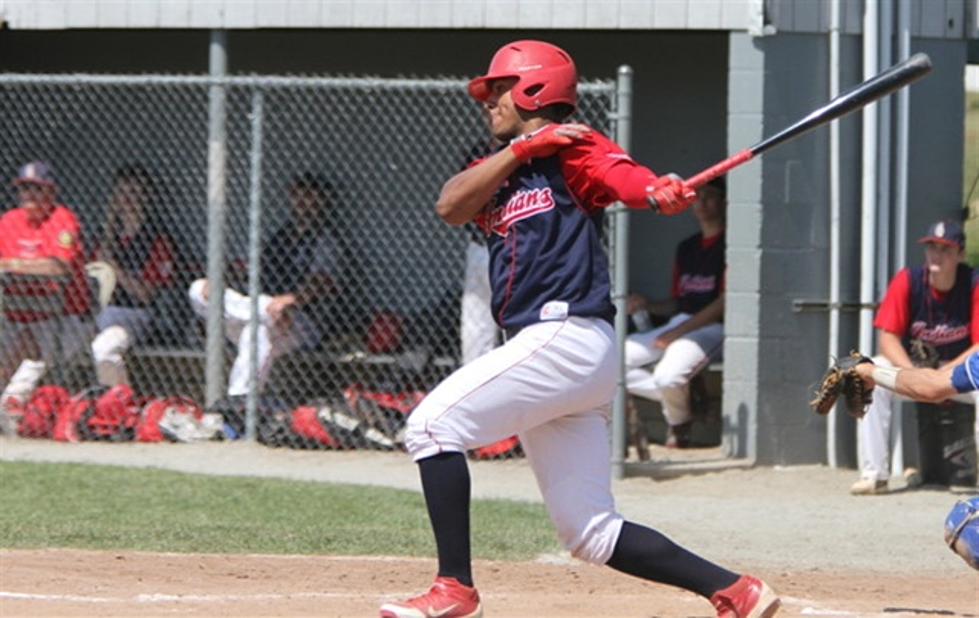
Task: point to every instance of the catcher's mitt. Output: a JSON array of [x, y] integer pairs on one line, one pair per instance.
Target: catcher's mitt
[[924, 354], [842, 379]]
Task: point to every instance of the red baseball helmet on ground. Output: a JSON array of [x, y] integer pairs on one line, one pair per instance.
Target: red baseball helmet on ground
[[545, 75]]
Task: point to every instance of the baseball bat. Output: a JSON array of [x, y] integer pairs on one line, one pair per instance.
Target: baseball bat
[[882, 84]]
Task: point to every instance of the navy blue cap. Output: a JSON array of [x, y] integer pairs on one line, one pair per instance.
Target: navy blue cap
[[947, 232], [35, 172]]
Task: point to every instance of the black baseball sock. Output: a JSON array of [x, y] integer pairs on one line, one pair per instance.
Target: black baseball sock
[[645, 553], [445, 481]]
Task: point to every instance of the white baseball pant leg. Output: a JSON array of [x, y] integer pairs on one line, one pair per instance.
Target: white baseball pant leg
[[33, 346], [273, 341], [119, 327], [552, 385], [477, 329], [874, 431], [669, 381]]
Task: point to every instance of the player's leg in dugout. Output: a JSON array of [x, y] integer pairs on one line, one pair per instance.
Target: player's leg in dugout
[[552, 385], [681, 361], [118, 328], [274, 340], [19, 362], [640, 351], [873, 439]]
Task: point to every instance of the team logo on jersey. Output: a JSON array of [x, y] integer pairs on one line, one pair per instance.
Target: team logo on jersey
[[66, 239], [697, 284], [28, 247], [939, 334], [521, 205]]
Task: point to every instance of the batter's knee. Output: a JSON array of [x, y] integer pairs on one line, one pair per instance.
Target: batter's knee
[[427, 434], [594, 540]]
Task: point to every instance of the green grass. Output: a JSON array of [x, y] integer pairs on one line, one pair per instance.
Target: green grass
[[971, 156], [970, 171], [103, 507]]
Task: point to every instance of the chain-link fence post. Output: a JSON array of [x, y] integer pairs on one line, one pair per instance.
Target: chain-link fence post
[[216, 210], [620, 270], [254, 258]]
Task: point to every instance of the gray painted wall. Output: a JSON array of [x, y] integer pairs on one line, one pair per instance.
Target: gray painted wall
[[779, 234]]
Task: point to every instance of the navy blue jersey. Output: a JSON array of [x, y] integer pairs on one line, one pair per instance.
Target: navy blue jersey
[[546, 256], [698, 272], [944, 322]]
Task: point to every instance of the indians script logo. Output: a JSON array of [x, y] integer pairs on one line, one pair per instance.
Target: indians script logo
[[697, 284], [940, 334], [521, 205]]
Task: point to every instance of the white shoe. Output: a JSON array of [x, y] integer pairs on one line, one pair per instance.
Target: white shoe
[[868, 487]]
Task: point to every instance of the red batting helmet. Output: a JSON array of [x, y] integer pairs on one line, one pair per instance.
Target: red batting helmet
[[545, 75]]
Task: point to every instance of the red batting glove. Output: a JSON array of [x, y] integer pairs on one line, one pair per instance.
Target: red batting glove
[[669, 195], [539, 144]]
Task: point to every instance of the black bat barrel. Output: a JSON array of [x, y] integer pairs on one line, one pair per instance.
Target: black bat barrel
[[899, 75]]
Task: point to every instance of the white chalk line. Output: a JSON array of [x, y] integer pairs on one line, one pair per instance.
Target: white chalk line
[[186, 598]]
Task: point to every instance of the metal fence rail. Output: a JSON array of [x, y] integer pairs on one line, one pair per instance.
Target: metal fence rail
[[328, 212]]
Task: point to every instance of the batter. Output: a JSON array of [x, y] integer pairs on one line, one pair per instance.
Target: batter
[[540, 202]]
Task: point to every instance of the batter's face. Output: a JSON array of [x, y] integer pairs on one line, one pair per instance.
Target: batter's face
[[503, 116], [35, 198]]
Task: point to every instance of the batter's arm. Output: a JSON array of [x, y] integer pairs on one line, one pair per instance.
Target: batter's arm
[[466, 193]]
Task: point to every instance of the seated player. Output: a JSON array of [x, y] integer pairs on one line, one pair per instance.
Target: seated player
[[40, 237], [302, 266], [141, 252], [694, 336]]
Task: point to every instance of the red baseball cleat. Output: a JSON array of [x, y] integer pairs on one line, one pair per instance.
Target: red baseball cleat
[[746, 598], [447, 598]]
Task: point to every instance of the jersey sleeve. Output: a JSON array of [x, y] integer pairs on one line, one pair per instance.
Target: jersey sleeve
[[965, 376], [599, 172], [894, 314]]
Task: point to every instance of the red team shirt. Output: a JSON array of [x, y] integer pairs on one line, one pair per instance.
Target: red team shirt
[[894, 314], [57, 236]]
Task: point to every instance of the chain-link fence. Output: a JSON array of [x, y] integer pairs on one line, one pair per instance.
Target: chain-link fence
[[323, 204]]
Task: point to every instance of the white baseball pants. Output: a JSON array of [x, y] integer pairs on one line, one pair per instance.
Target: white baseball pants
[[119, 327], [477, 329], [273, 340], [552, 385], [27, 349], [669, 381]]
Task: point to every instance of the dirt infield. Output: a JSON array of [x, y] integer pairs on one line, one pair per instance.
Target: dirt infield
[[87, 583], [827, 553]]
